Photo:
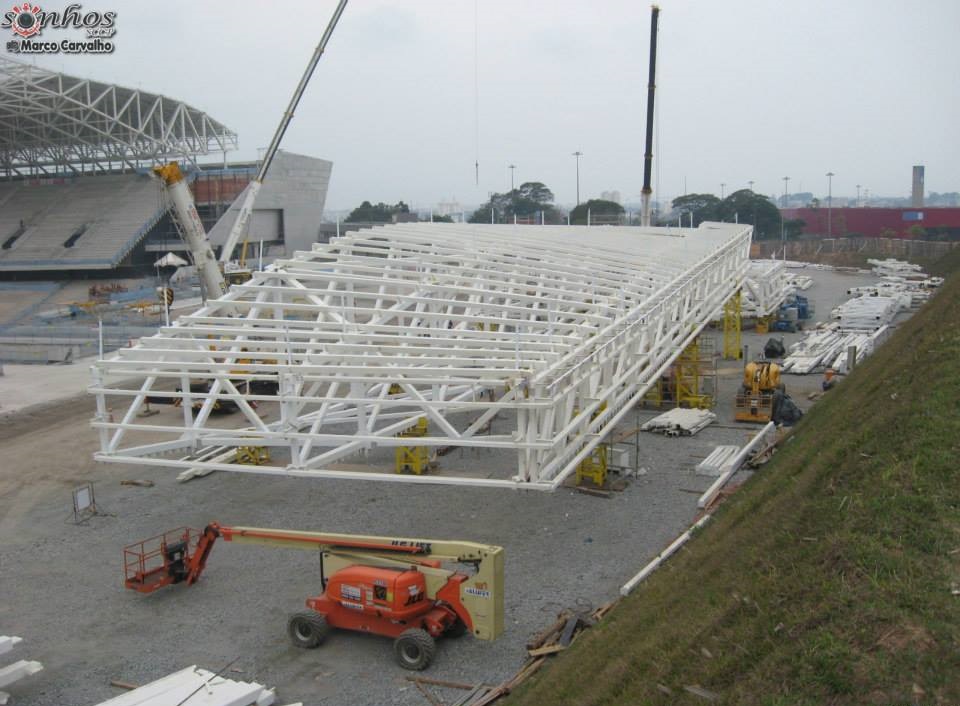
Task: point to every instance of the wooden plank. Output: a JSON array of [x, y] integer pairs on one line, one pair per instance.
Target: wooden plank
[[541, 638], [546, 650], [443, 682], [566, 637], [426, 692]]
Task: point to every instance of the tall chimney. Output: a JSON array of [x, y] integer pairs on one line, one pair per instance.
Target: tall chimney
[[916, 194]]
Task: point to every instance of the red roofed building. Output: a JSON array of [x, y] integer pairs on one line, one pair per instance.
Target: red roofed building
[[880, 222]]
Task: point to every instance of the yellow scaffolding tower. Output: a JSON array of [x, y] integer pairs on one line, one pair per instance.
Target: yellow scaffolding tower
[[694, 372], [732, 325], [415, 459]]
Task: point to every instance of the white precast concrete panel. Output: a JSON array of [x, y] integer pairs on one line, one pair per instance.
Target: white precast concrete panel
[[565, 327]]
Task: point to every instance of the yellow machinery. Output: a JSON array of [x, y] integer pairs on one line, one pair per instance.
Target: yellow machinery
[[415, 459], [732, 325], [764, 323], [754, 403]]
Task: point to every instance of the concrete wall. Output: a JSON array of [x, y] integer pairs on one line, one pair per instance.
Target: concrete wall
[[296, 185]]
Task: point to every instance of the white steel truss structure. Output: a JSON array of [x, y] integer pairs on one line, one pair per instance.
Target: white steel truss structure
[[561, 328], [53, 123]]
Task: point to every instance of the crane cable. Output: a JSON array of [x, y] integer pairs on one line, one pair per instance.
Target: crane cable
[[476, 90]]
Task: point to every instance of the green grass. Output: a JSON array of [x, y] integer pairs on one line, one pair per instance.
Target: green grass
[[827, 578]]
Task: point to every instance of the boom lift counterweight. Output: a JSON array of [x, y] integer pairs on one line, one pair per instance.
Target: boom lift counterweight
[[395, 587]]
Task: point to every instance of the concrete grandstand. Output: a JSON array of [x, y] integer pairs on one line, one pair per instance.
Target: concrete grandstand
[[76, 193]]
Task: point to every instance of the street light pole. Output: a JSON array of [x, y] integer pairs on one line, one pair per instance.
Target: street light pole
[[858, 196], [786, 185], [722, 185], [830, 176], [511, 168], [578, 154], [751, 184]]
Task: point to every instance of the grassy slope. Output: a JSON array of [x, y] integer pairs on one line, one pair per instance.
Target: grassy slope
[[827, 578]]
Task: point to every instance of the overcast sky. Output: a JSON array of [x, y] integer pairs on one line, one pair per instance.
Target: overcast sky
[[746, 91]]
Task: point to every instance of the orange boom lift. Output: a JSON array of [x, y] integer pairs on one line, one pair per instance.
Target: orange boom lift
[[398, 588]]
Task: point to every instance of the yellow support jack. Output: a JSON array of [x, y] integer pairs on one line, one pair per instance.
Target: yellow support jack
[[732, 327], [415, 459], [693, 367], [763, 324], [595, 466], [253, 455]]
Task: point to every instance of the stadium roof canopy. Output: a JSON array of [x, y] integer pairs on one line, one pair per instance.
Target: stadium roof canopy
[[56, 123]]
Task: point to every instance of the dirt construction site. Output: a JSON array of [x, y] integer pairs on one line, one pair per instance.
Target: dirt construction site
[[62, 581]]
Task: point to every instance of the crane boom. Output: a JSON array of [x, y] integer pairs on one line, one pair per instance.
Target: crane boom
[[191, 229], [253, 188]]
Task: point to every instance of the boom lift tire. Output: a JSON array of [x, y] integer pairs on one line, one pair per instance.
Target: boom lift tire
[[414, 649], [307, 630]]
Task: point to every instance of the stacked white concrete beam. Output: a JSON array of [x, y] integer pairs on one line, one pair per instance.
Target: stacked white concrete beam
[[563, 327], [869, 313], [16, 671], [195, 686], [680, 422]]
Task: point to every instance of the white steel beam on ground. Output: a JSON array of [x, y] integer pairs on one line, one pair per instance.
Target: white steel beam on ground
[[560, 328], [18, 670], [8, 642], [195, 686]]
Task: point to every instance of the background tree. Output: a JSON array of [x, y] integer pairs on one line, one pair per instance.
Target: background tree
[[747, 206], [442, 219], [600, 211], [526, 201], [379, 213], [793, 227], [704, 207]]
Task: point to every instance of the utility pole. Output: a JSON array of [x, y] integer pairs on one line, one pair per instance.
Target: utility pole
[[722, 185], [858, 196], [511, 168], [578, 154], [750, 183], [830, 176], [786, 185]]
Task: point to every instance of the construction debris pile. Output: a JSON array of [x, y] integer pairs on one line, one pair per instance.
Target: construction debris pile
[[862, 323], [17, 670]]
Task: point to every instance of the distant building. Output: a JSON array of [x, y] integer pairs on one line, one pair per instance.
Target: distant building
[[611, 196], [452, 208], [880, 222]]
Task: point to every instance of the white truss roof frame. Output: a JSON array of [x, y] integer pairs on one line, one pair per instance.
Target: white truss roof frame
[[54, 123], [563, 327]]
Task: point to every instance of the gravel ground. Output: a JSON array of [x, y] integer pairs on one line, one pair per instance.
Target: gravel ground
[[62, 589]]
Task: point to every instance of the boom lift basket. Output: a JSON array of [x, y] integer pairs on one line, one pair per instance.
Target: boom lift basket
[[148, 564]]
